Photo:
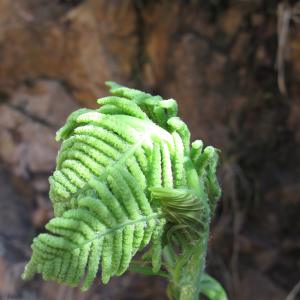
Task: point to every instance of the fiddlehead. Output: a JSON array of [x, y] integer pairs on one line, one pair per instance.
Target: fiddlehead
[[125, 178]]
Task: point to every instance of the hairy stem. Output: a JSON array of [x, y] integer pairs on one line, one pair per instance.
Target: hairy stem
[[185, 282]]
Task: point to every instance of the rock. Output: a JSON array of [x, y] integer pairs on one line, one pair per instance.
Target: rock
[[8, 151], [287, 193], [14, 229], [294, 50], [216, 58], [42, 213], [159, 25], [295, 114], [39, 148], [29, 146], [257, 286], [45, 100], [231, 20], [257, 20], [9, 283], [40, 184], [27, 128], [241, 43], [214, 70], [187, 79], [68, 44]]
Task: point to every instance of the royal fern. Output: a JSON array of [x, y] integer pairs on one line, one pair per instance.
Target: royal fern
[[126, 178]]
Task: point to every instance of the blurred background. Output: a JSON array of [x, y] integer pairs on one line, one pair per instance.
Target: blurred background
[[234, 68]]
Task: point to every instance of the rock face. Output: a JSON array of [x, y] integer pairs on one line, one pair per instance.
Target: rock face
[[217, 59], [80, 45], [28, 123]]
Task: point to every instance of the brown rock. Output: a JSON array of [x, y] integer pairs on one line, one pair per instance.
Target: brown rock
[[257, 19], [28, 123], [216, 58], [40, 184], [188, 78], [45, 100], [160, 24], [14, 230], [257, 286], [10, 118], [231, 20], [295, 116], [8, 151], [10, 281], [41, 215], [214, 71], [37, 149], [83, 45], [240, 46], [27, 146], [294, 53]]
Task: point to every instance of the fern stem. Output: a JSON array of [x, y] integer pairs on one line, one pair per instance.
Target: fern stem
[[138, 268], [154, 216], [186, 274], [185, 281]]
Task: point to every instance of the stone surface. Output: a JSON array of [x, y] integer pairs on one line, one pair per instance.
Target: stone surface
[[259, 287], [41, 39], [27, 126]]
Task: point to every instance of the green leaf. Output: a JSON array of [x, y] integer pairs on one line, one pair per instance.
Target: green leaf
[[212, 289], [184, 211], [99, 230]]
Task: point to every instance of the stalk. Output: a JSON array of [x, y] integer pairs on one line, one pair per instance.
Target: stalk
[[186, 275], [185, 280]]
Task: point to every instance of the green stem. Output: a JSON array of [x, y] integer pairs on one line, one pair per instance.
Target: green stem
[[169, 258], [139, 268], [185, 282]]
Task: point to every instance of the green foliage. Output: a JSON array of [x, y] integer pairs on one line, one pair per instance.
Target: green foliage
[[212, 289], [126, 178]]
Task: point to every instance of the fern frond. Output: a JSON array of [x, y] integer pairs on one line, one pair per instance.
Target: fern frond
[[90, 233], [125, 178], [187, 215]]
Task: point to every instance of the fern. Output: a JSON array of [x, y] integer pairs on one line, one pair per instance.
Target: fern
[[126, 178]]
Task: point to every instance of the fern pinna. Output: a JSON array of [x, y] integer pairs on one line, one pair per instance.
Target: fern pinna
[[126, 178]]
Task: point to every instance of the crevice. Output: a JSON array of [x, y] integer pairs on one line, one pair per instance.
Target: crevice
[[31, 81], [70, 3], [140, 58], [214, 46], [32, 117], [3, 97]]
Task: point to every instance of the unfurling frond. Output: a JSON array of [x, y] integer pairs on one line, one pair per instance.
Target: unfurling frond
[[125, 178]]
